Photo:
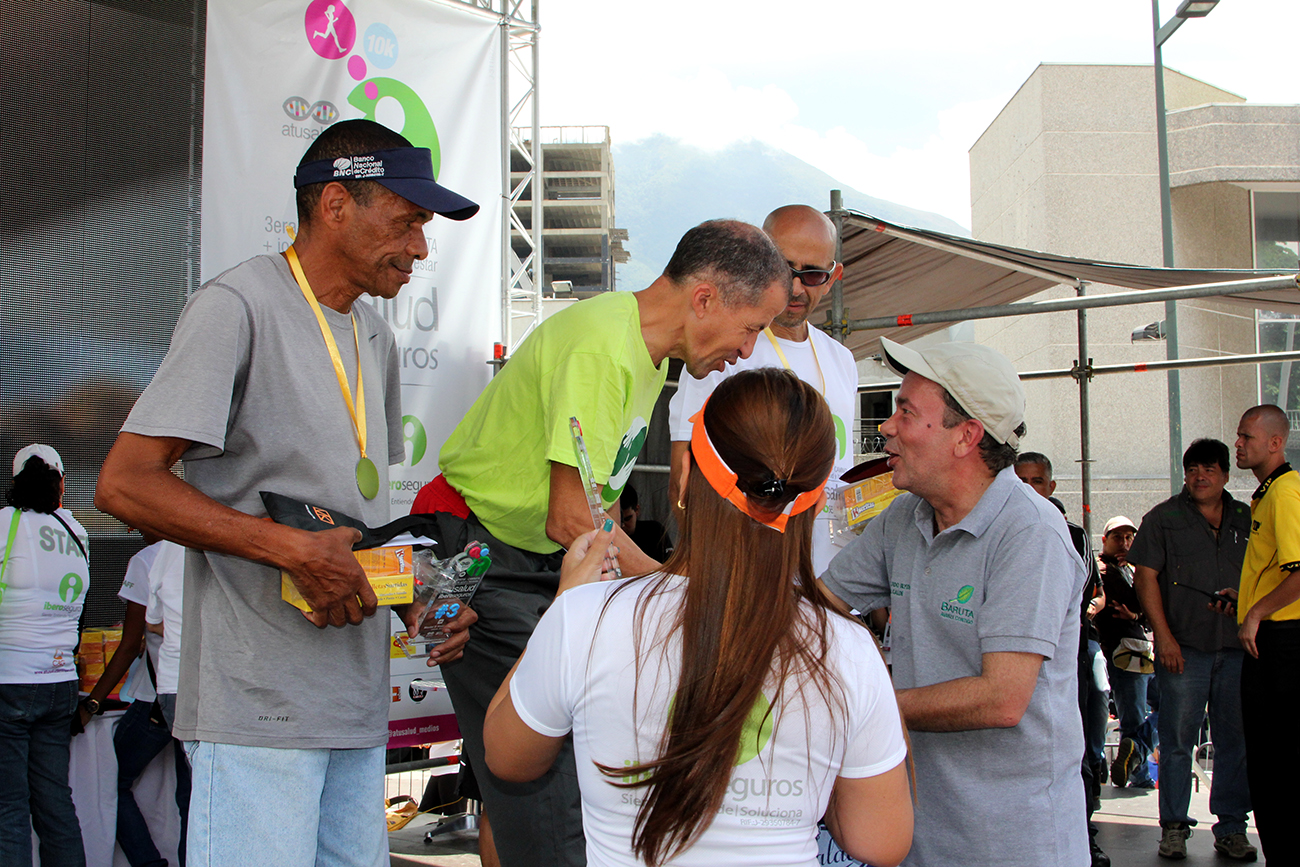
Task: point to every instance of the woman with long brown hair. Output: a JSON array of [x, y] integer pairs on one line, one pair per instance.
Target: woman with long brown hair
[[721, 707]]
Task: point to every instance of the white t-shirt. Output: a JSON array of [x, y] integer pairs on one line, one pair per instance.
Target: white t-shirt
[[166, 594], [47, 579], [135, 588], [820, 361], [581, 678]]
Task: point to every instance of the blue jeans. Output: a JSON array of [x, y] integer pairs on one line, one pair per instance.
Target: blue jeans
[[35, 730], [136, 741], [292, 808], [1097, 708], [1213, 679], [1129, 690]]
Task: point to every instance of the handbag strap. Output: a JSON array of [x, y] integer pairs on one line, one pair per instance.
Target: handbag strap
[[80, 547], [9, 544]]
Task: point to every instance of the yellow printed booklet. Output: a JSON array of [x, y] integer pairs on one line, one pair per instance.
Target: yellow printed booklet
[[870, 490], [390, 570]]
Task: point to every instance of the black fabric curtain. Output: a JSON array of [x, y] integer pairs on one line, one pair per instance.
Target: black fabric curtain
[[101, 142]]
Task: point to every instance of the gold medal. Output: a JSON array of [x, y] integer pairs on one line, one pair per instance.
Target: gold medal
[[367, 473], [367, 478]]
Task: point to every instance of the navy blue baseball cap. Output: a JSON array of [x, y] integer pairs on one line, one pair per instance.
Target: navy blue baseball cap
[[406, 171]]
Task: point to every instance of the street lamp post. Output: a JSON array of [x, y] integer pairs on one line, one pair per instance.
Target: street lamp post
[[1187, 9]]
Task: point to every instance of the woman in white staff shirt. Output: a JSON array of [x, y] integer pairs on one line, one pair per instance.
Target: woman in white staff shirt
[[718, 709], [43, 583]]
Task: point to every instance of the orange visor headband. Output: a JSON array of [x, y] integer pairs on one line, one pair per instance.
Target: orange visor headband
[[721, 478]]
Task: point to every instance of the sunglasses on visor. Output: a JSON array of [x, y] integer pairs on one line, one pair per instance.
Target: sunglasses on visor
[[813, 276]]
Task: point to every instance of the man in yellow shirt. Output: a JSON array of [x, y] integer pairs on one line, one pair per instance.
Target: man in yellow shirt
[[1268, 614]]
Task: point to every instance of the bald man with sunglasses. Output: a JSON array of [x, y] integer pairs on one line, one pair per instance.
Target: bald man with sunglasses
[[806, 238]]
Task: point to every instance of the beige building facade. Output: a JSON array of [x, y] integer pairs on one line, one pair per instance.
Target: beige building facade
[[1069, 166]]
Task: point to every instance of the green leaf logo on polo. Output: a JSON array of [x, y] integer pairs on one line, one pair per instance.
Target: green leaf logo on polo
[[625, 460], [413, 432], [756, 732], [841, 436], [418, 126], [956, 608], [70, 588]]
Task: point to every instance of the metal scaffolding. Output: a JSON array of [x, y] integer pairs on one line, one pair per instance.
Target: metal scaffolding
[[520, 65]]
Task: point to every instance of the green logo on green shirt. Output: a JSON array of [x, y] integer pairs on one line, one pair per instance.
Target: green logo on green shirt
[[625, 460]]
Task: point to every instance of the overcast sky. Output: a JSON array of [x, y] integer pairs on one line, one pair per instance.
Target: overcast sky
[[886, 95]]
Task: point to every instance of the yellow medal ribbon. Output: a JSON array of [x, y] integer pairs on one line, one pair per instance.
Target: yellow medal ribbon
[[786, 364], [367, 472]]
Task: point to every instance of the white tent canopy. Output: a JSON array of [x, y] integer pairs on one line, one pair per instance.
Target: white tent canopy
[[896, 271]]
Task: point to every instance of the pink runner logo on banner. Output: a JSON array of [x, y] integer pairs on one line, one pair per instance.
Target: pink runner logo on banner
[[331, 29]]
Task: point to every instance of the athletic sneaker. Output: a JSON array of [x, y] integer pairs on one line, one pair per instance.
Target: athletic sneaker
[[1126, 758], [1173, 840], [1236, 847]]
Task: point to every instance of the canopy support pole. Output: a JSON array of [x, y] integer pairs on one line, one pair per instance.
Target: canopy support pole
[[1116, 299], [1083, 368], [839, 327]]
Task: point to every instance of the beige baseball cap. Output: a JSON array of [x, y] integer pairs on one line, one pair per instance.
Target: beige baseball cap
[[37, 450], [1117, 522], [980, 379]]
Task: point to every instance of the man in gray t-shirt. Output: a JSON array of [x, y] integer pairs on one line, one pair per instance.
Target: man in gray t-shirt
[[262, 390], [983, 582]]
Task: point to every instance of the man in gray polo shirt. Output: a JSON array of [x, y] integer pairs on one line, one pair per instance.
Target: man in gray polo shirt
[[983, 581]]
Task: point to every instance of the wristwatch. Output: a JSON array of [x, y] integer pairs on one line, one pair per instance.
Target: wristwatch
[[91, 705]]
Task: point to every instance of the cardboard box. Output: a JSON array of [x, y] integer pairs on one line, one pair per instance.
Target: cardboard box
[[390, 571], [95, 654], [865, 499]]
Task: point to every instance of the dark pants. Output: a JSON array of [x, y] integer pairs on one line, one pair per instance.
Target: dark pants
[[137, 740], [536, 824], [1270, 713], [1094, 708], [35, 733]]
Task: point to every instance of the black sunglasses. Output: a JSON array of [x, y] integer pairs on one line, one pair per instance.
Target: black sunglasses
[[813, 276]]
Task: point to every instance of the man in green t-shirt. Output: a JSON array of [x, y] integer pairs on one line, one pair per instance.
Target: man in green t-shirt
[[509, 476]]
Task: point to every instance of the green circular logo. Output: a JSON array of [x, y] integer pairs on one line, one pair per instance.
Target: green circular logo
[[756, 732], [965, 593], [70, 588], [418, 126], [841, 436], [413, 433]]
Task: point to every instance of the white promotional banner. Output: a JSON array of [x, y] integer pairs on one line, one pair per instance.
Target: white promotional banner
[[277, 74]]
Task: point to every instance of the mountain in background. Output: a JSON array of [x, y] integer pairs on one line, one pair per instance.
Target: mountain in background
[[665, 186]]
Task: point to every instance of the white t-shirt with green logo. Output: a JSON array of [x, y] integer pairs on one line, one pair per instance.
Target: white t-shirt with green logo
[[580, 674], [588, 361], [820, 361], [48, 578]]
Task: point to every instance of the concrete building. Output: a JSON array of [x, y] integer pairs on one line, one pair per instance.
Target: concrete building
[[580, 244], [1069, 166]]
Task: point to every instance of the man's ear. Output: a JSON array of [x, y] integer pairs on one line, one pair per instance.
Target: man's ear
[[837, 272], [334, 203], [972, 431], [704, 296], [1051, 489]]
